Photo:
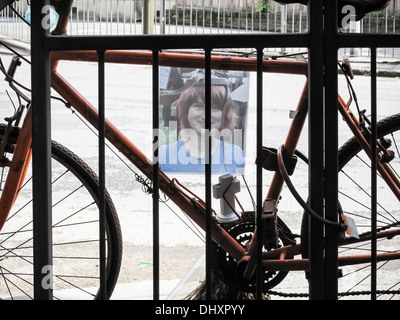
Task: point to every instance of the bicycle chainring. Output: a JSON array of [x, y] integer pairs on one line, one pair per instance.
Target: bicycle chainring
[[227, 269]]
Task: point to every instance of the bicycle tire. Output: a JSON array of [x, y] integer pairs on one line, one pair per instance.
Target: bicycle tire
[[354, 201], [75, 234]]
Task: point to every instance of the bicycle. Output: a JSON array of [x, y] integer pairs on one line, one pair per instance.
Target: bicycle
[[233, 242]]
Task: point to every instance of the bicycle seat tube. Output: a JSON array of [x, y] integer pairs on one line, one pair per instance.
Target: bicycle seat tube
[[277, 182]]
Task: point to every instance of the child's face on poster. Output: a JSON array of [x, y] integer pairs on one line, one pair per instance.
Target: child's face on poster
[[196, 116]]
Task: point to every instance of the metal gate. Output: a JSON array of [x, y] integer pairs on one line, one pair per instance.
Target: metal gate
[[323, 42]]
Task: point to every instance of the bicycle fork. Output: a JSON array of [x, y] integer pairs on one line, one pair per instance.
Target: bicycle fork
[[18, 169], [383, 168]]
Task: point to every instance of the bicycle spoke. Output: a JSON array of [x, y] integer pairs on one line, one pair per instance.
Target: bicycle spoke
[[70, 284], [369, 196], [355, 200], [75, 235], [11, 284]]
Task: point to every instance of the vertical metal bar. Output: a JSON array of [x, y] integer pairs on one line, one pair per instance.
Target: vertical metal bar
[[156, 229], [331, 151], [183, 17], [106, 16], [124, 17], [224, 17], [259, 180], [196, 17], [148, 16], [131, 14], [94, 15], [101, 17], [300, 20], [204, 18], [211, 18], [293, 20], [316, 185], [373, 175], [102, 170], [111, 17], [41, 153], [208, 172], [162, 17], [118, 17]]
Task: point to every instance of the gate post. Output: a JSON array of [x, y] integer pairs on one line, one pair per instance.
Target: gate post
[[323, 142], [331, 150], [41, 152], [316, 181]]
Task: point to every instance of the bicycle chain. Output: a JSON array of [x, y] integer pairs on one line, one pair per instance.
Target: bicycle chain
[[392, 225], [344, 294]]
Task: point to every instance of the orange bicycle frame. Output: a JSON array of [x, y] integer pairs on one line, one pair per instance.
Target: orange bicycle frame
[[194, 208]]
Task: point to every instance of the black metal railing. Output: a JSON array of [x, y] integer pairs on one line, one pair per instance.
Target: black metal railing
[[323, 42]]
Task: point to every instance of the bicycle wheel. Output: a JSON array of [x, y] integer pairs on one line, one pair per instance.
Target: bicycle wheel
[[75, 232], [355, 201]]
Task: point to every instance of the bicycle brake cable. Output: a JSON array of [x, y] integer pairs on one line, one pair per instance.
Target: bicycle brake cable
[[19, 15], [10, 79], [15, 52], [353, 96], [146, 183]]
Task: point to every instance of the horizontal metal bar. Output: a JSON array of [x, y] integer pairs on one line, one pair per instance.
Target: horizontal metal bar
[[304, 264], [154, 42], [188, 60], [367, 40]]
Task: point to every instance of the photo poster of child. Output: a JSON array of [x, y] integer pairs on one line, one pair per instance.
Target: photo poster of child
[[182, 133]]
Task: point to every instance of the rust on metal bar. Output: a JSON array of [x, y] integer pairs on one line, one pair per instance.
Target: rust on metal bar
[[188, 60]]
